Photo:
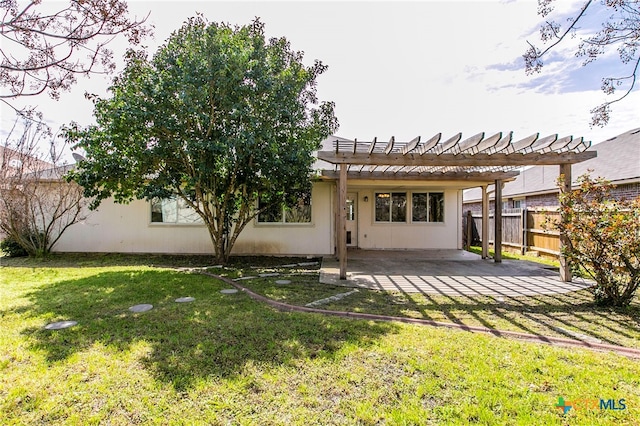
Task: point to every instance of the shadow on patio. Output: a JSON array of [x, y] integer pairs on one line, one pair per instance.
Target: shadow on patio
[[446, 272]]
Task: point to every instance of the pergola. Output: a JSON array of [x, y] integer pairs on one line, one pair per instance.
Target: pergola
[[490, 160]]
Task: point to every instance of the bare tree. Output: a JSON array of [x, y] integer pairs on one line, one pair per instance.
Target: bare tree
[[44, 47], [37, 204], [620, 31]]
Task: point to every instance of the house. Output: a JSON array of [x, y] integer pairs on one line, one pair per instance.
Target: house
[[17, 163], [15, 166], [618, 161], [383, 214], [369, 195]]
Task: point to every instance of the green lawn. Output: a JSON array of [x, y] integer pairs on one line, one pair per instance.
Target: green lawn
[[226, 359]]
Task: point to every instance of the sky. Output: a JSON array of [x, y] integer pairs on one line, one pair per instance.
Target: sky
[[408, 69]]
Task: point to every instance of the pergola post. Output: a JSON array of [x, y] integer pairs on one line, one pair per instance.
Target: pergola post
[[485, 222], [497, 238], [342, 220], [565, 268]]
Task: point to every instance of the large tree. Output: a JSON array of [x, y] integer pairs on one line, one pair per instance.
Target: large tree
[[619, 32], [219, 117], [44, 46]]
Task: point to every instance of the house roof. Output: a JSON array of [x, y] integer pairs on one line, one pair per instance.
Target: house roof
[[476, 158], [14, 162], [618, 161]]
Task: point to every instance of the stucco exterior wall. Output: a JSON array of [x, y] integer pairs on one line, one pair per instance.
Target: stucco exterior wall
[[128, 229], [433, 235]]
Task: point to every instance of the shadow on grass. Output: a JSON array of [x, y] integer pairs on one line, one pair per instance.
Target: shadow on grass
[[573, 315], [213, 336]]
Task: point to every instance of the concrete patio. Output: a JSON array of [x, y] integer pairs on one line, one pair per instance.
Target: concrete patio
[[446, 272]]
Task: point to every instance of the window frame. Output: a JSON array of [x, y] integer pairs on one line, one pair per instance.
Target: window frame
[[409, 207], [177, 200], [284, 209], [393, 209]]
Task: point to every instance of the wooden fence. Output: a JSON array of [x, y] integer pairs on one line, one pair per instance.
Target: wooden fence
[[523, 229]]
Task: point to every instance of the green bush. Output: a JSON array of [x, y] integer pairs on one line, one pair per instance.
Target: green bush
[[12, 248]]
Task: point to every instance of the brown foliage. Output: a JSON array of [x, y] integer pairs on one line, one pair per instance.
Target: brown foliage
[[604, 239]]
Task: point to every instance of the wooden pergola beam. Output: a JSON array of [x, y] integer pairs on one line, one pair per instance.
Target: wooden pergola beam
[[342, 221], [457, 176], [497, 222], [565, 266], [479, 159], [485, 222]]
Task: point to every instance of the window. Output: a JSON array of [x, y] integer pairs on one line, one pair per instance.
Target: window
[[420, 207], [436, 207], [351, 210], [173, 210], [391, 207], [300, 212], [427, 207]]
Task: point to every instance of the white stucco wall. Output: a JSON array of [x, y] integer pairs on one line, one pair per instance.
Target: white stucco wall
[[376, 235], [128, 229]]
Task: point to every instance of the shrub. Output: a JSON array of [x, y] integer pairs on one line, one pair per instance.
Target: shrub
[[603, 239], [12, 248]]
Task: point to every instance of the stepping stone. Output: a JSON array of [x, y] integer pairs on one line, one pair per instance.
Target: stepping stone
[[229, 291], [185, 299], [141, 308], [307, 263], [290, 265], [244, 278], [283, 282], [270, 274], [213, 267], [60, 325]]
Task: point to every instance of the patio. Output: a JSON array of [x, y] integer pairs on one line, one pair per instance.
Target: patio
[[446, 272]]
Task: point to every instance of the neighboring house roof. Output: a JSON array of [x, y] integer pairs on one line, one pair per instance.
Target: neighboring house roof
[[618, 161], [13, 162]]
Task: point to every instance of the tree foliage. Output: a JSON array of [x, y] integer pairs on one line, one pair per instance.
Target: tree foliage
[[218, 117], [37, 204], [604, 239], [46, 45], [620, 32]]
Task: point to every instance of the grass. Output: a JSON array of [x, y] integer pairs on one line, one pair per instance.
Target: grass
[[226, 359], [516, 256]]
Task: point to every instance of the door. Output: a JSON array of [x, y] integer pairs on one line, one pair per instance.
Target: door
[[352, 219]]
